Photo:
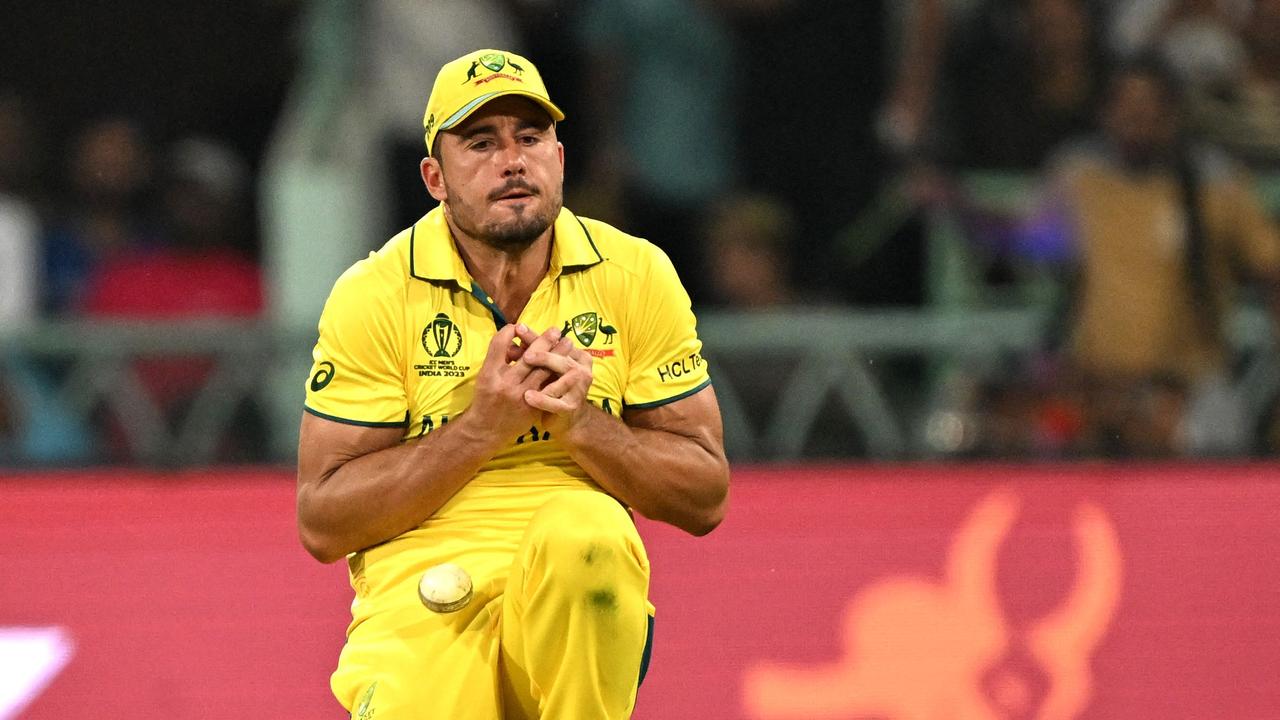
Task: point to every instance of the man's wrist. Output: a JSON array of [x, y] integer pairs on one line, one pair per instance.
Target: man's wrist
[[479, 433], [579, 428]]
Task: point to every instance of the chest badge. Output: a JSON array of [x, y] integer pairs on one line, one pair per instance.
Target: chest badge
[[442, 339], [586, 327]]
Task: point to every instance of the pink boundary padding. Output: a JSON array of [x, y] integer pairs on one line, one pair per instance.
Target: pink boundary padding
[[187, 595]]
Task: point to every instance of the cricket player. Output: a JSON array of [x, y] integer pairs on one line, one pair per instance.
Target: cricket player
[[498, 387]]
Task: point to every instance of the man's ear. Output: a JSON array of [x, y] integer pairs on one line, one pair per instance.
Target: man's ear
[[433, 178]]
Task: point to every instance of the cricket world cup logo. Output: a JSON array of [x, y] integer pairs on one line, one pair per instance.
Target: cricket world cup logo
[[918, 648], [441, 338]]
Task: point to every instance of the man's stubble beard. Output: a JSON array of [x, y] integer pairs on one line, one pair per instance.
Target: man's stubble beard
[[510, 236]]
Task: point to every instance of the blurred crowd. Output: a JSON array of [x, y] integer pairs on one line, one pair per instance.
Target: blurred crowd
[[750, 139], [135, 231], [1146, 124]]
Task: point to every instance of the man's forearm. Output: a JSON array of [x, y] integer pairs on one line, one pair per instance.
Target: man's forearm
[[358, 487], [664, 476], [375, 497]]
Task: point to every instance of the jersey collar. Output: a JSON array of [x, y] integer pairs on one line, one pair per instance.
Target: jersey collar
[[434, 257], [572, 248]]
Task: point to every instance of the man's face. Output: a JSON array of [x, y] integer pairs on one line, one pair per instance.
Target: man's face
[[111, 162], [500, 173], [1140, 117]]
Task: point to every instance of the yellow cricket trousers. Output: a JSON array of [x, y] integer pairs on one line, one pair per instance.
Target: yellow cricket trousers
[[561, 634]]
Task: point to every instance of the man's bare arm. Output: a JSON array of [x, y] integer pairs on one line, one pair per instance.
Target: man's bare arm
[[359, 486], [667, 462]]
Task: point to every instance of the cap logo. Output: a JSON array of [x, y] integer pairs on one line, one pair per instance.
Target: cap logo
[[493, 62], [431, 122]]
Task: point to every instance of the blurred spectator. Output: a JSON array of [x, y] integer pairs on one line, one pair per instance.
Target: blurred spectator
[[1198, 39], [108, 213], [920, 31], [19, 221], [978, 84], [35, 426], [1155, 229], [660, 75], [202, 270], [201, 273], [1020, 77], [750, 241], [1239, 107], [19, 234]]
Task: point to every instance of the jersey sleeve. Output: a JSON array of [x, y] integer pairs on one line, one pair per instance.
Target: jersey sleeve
[[666, 355], [357, 373]]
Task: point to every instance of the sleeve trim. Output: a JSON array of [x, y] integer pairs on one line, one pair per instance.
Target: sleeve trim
[[361, 423], [665, 401]]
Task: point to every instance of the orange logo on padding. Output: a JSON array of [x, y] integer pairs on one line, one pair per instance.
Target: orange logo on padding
[[919, 649]]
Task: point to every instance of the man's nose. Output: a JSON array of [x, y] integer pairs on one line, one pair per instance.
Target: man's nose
[[512, 159]]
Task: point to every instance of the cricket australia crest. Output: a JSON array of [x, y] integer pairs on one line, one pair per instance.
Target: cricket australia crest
[[586, 327]]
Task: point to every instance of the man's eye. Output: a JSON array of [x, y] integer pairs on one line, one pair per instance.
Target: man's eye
[[481, 145], [528, 139]]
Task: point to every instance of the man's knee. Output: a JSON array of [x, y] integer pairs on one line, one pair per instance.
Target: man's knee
[[588, 535]]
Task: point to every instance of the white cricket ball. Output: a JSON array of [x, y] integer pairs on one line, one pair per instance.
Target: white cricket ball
[[445, 588]]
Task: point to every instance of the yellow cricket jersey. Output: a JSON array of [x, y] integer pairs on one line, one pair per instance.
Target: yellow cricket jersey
[[405, 331]]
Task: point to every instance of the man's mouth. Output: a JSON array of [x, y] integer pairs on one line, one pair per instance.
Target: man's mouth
[[514, 193]]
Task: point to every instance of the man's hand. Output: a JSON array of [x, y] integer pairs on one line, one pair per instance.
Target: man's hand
[[505, 377], [666, 462], [563, 401]]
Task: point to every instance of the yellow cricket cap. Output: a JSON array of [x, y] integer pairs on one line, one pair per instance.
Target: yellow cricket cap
[[474, 79]]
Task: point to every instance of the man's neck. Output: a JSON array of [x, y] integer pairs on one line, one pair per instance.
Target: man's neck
[[509, 277]]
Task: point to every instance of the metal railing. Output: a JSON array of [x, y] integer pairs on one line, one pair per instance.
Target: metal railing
[[783, 378]]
